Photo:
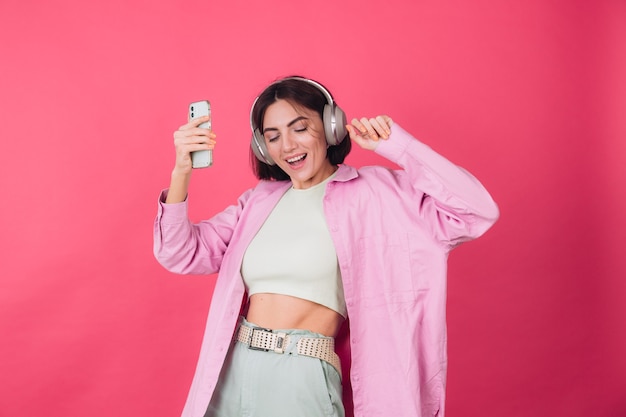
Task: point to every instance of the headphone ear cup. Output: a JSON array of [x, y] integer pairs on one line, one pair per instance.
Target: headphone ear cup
[[259, 149], [340, 124], [334, 124]]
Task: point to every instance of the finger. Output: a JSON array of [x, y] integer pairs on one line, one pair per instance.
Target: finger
[[370, 131], [200, 146], [352, 131], [356, 123], [379, 128], [195, 135], [195, 122], [355, 135], [199, 131], [385, 122], [364, 128], [363, 142]]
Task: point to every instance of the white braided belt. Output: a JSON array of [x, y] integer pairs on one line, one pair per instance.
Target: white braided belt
[[258, 338]]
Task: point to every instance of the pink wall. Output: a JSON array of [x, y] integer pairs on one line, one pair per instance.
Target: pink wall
[[529, 96]]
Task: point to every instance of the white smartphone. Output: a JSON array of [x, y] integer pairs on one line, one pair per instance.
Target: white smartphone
[[201, 159]]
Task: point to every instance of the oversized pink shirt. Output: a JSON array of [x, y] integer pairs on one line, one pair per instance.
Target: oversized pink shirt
[[392, 230]]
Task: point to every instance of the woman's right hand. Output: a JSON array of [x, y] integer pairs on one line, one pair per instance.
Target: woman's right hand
[[189, 138]]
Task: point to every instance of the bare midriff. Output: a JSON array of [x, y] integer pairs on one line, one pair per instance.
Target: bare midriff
[[277, 311]]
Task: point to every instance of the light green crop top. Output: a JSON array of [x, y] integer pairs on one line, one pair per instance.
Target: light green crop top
[[293, 253]]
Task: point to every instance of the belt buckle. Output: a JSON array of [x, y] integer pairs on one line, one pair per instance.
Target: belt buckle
[[258, 329]]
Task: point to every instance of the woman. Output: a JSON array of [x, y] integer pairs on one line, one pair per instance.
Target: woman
[[316, 242]]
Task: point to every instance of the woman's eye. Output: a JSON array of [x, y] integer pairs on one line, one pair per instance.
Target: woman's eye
[[272, 139]]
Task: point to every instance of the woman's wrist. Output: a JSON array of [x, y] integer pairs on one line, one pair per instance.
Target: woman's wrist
[[179, 184]]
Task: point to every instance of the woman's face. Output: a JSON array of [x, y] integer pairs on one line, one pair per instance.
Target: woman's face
[[295, 140]]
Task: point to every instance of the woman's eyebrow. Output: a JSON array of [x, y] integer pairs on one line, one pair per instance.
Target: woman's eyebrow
[[291, 123]]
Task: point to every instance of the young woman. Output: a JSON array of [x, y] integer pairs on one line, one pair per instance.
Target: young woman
[[314, 243]]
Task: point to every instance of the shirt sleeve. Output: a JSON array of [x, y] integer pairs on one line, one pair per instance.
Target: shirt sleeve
[[454, 202], [184, 247]]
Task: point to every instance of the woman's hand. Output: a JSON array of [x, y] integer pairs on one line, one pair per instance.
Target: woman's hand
[[367, 132], [189, 138]]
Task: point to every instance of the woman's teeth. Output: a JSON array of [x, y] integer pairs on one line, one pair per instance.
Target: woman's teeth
[[296, 159]]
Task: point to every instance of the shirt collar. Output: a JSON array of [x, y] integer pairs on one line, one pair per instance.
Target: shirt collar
[[345, 173]]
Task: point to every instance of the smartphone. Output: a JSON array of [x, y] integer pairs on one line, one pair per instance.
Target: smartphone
[[201, 159]]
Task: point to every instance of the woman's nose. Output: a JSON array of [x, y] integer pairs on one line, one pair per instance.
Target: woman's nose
[[288, 142]]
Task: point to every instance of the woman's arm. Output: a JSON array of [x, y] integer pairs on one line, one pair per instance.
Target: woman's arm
[[456, 204], [179, 245], [187, 248], [188, 138]]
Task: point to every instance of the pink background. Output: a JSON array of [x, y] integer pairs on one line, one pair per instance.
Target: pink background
[[529, 96]]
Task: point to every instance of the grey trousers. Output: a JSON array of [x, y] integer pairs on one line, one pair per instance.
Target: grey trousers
[[267, 384]]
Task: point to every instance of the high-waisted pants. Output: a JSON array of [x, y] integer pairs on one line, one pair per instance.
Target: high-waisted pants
[[255, 383]]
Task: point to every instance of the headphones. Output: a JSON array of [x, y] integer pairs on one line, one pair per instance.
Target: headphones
[[334, 120]]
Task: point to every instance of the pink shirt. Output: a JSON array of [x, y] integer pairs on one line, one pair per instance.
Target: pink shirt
[[392, 230]]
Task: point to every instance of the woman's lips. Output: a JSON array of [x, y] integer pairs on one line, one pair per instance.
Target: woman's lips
[[296, 161]]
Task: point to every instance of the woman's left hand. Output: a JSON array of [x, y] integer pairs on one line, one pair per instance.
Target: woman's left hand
[[367, 132]]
